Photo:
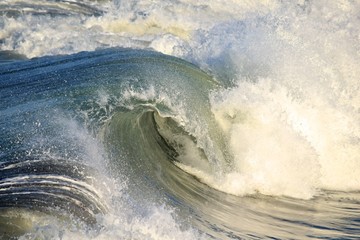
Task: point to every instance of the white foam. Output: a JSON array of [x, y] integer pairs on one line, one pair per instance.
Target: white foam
[[297, 129], [292, 121], [160, 25], [269, 156], [122, 222], [158, 224]]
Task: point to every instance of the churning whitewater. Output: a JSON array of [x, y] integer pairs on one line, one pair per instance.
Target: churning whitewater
[[179, 120]]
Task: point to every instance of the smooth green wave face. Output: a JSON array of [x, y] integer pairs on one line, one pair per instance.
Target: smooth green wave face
[[124, 143], [72, 123], [180, 119]]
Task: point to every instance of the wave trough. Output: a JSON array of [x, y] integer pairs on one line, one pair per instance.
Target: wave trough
[[163, 119]]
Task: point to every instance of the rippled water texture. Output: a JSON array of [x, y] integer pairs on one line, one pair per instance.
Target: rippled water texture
[[179, 120]]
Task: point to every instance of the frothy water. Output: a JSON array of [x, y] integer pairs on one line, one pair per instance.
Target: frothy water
[[260, 138]]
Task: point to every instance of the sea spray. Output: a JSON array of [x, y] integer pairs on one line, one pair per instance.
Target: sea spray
[[270, 150]]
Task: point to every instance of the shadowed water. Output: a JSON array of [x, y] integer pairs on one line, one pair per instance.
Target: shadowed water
[[247, 129]]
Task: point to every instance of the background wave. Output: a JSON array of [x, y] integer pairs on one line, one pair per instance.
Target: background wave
[[272, 119]]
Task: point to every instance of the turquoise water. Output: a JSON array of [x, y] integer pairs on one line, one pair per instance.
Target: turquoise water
[[170, 120]]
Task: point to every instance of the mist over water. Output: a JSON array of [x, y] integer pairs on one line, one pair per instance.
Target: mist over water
[[265, 133]]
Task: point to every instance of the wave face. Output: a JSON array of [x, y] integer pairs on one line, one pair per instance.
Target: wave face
[[170, 120]]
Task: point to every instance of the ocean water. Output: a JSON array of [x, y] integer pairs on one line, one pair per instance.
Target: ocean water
[[179, 119]]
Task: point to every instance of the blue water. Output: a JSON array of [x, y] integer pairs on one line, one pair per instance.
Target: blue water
[[179, 120]]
